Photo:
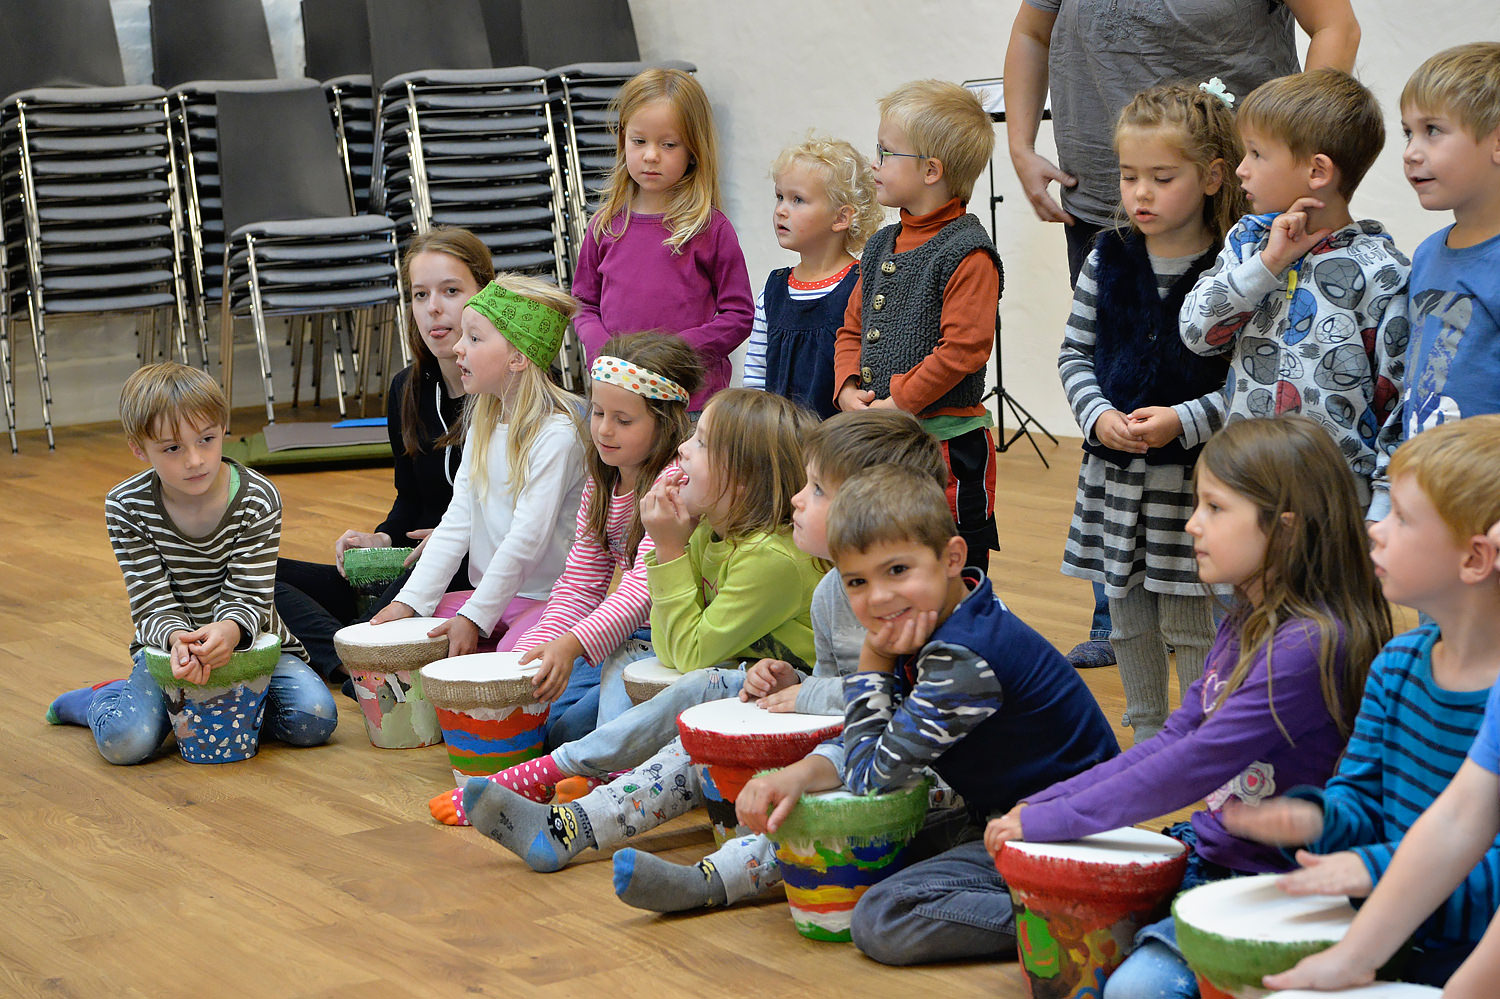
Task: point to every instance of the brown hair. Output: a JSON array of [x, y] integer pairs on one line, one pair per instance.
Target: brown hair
[[466, 248], [1320, 111], [946, 123], [1463, 81], [692, 199], [1317, 564], [889, 504], [1202, 127], [670, 356], [845, 443], [1457, 466], [754, 446], [159, 396]]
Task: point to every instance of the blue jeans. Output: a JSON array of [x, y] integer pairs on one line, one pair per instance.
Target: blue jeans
[[1154, 969], [130, 721], [635, 736], [1099, 625], [949, 907], [576, 712]]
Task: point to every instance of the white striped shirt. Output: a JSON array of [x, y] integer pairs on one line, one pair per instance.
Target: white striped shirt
[[178, 583], [758, 346]]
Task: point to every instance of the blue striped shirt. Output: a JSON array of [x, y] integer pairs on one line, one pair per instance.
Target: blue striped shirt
[[1409, 739]]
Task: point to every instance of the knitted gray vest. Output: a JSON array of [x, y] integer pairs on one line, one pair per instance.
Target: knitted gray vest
[[901, 306]]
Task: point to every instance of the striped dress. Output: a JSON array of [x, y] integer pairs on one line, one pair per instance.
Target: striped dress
[[179, 583], [1128, 523]]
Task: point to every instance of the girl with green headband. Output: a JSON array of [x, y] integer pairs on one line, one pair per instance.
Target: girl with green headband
[[518, 486]]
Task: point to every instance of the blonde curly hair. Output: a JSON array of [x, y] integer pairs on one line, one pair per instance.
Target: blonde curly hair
[[847, 179]]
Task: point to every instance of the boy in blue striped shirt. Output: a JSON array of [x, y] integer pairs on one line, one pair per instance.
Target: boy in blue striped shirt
[[1423, 705]]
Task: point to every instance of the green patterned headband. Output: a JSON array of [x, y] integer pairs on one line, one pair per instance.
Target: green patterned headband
[[536, 330]]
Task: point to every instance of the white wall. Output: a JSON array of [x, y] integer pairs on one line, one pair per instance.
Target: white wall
[[776, 68]]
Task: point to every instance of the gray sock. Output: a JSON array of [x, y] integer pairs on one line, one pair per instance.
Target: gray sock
[[648, 882], [547, 837]]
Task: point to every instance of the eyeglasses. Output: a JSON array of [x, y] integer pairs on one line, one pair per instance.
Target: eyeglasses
[[881, 153]]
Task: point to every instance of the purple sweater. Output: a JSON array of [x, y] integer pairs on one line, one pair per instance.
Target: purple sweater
[[635, 282], [1235, 751]]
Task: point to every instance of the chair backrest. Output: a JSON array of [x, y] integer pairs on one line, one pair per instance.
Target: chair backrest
[[559, 32], [209, 40], [60, 43], [507, 35], [299, 176], [336, 38], [408, 35]]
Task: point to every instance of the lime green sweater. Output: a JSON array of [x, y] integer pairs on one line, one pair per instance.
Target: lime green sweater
[[726, 600]]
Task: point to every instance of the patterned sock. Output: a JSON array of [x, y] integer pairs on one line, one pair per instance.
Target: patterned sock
[[72, 708], [534, 779], [448, 808], [648, 882], [545, 836], [573, 788]]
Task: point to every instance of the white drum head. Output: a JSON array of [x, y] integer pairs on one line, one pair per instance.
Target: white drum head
[[481, 667], [1255, 909], [1114, 848], [1375, 990], [406, 631], [651, 670], [732, 716]]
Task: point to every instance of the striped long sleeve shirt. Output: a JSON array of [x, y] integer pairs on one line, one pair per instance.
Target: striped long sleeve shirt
[[180, 583], [1410, 738]]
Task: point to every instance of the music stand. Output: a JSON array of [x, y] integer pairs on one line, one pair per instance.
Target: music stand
[[992, 97]]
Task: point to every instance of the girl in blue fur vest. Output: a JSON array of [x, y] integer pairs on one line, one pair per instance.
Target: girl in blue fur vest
[[1145, 403]]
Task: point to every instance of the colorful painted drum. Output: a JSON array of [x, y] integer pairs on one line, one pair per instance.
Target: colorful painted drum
[[645, 678], [1375, 990], [370, 570], [383, 660], [730, 740], [834, 845], [1233, 933], [490, 718], [219, 722], [1078, 904]]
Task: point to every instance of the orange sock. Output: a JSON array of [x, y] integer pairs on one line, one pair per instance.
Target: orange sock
[[573, 788], [448, 808]]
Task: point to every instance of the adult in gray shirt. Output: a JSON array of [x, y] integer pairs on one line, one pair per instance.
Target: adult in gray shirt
[[1097, 55]]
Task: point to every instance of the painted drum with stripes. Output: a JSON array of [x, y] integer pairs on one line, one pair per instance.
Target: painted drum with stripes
[[1078, 904], [834, 845], [219, 722], [730, 740], [1233, 933], [490, 718]]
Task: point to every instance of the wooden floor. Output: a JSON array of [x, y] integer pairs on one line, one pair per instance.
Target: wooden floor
[[318, 872]]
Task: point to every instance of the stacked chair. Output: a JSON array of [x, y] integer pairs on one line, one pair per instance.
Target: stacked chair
[[88, 198], [336, 39]]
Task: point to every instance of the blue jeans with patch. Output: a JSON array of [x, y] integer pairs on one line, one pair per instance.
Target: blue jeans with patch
[[635, 736], [130, 721]]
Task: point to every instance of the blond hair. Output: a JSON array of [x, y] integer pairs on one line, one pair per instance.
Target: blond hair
[[533, 399], [692, 200], [465, 247], [1202, 128], [755, 449], [1463, 81], [847, 180], [1457, 467], [1320, 111], [946, 123], [159, 396], [889, 504], [1317, 564], [846, 443]]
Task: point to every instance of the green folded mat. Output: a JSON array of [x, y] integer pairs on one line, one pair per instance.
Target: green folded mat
[[251, 451]]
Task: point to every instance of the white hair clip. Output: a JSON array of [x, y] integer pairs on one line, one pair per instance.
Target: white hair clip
[[1215, 86]]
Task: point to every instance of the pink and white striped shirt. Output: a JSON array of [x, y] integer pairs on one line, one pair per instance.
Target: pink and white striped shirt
[[581, 601]]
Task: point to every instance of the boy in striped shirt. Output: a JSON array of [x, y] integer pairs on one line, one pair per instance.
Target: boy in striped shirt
[[196, 537], [1423, 704]]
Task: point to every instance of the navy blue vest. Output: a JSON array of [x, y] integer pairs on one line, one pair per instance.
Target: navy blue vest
[[799, 340], [1139, 358]]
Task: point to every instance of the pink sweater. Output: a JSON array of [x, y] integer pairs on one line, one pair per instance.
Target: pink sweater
[[635, 282]]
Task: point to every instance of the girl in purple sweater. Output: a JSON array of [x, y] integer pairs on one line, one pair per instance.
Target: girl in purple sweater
[[1279, 519], [659, 254]]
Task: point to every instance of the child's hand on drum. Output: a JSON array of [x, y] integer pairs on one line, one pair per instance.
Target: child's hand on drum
[[767, 677], [213, 644], [420, 534], [1338, 967], [557, 658], [781, 702], [1341, 873], [357, 539], [1002, 830], [395, 611], [666, 519], [765, 801], [463, 635], [1278, 822], [185, 665]]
